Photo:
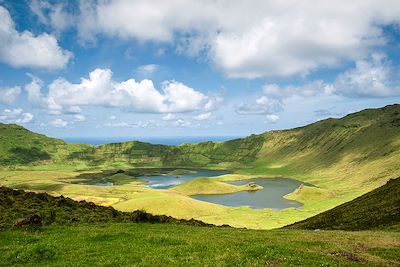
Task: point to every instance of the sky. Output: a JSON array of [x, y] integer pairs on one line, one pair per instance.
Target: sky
[[154, 68]]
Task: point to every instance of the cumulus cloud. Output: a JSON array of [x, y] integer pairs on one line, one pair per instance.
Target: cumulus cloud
[[272, 118], [371, 77], [100, 90], [59, 123], [264, 39], [15, 116], [23, 49], [10, 94]]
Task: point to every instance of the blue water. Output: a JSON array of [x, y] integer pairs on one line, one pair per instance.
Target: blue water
[[167, 181], [171, 141], [270, 197]]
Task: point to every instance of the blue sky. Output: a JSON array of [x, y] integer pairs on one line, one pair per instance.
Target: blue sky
[[193, 68]]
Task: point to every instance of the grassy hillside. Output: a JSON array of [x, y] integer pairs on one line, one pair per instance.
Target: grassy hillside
[[19, 146], [379, 208], [18, 204], [80, 233]]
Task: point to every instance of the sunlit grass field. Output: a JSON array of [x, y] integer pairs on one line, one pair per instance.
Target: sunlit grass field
[[177, 245]]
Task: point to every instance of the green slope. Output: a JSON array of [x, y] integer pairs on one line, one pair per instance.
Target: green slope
[[80, 233], [18, 204], [19, 146], [367, 135], [379, 208]]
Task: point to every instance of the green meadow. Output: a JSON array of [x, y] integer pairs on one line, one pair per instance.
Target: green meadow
[[175, 245]]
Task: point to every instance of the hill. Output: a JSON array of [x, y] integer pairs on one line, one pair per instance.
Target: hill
[[81, 233], [377, 209], [18, 205], [19, 146]]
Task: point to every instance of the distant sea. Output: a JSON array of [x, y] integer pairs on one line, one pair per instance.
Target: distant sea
[[171, 141]]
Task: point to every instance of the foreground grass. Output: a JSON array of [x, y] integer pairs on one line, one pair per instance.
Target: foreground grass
[[172, 245]]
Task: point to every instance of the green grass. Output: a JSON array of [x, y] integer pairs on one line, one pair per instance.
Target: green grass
[[210, 186], [18, 204], [176, 245], [379, 208]]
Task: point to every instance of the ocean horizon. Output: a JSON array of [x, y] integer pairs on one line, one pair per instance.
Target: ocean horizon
[[168, 140]]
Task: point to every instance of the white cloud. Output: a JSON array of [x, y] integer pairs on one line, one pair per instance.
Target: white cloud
[[272, 118], [74, 110], [117, 124], [15, 116], [112, 118], [52, 15], [100, 90], [169, 117], [9, 95], [371, 78], [138, 124], [181, 98], [27, 50], [262, 105], [306, 90], [203, 116], [181, 123], [59, 123], [261, 39], [147, 70], [79, 118], [214, 101]]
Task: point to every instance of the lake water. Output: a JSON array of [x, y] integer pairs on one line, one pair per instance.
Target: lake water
[[167, 181], [271, 196]]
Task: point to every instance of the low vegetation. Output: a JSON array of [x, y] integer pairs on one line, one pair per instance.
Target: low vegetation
[[29, 209], [207, 186], [80, 233], [377, 209], [122, 244]]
